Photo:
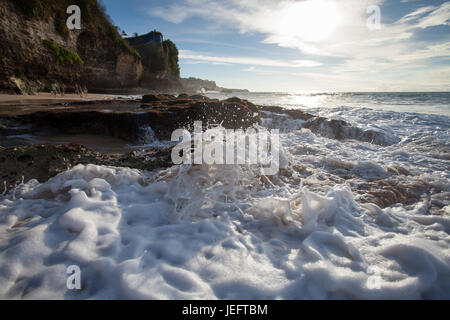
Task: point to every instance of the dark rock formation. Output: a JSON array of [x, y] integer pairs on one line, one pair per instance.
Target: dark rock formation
[[183, 111], [294, 114], [125, 120], [341, 130], [335, 129], [128, 121], [42, 162]]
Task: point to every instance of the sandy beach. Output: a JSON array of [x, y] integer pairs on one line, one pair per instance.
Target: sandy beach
[[48, 98]]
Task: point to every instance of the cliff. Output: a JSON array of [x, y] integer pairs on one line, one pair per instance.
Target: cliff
[[37, 49], [160, 61]]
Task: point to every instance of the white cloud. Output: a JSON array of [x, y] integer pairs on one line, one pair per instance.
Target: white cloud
[[439, 16], [192, 56], [416, 14], [321, 28], [431, 51]]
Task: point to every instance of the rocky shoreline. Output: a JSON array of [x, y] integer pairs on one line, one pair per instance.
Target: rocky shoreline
[[44, 161], [131, 119], [125, 119], [128, 118]]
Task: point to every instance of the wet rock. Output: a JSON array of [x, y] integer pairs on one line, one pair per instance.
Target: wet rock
[[233, 100], [152, 98], [334, 128], [42, 162], [330, 128], [294, 114], [398, 170], [199, 97], [162, 113], [170, 114], [341, 130], [387, 192], [25, 158]]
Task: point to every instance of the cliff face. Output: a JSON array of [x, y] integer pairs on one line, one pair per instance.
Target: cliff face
[[160, 61], [37, 48], [106, 65]]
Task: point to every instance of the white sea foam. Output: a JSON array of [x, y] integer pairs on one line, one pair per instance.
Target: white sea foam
[[226, 232], [213, 232]]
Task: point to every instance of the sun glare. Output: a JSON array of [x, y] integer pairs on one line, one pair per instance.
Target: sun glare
[[311, 21]]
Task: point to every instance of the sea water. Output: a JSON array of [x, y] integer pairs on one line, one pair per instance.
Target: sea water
[[228, 232], [422, 102]]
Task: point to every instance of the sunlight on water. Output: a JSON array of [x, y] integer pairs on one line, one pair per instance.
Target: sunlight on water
[[421, 102]]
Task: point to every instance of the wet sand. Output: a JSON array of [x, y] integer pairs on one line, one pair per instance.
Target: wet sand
[[99, 143], [48, 98], [18, 104]]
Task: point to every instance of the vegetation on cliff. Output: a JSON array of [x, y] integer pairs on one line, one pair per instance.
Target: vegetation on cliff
[[93, 13], [161, 59], [63, 55], [97, 55], [172, 56]]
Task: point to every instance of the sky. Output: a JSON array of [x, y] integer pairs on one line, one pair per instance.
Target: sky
[[302, 45]]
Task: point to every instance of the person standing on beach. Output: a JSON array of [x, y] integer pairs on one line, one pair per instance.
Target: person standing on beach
[[53, 91], [78, 90], [85, 90]]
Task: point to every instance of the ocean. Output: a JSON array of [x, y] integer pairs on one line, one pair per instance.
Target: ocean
[[418, 102], [342, 219]]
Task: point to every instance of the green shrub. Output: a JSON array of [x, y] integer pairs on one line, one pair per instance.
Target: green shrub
[[35, 8], [172, 56], [85, 7], [62, 55], [112, 33]]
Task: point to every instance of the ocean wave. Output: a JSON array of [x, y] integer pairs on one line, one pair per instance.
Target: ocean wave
[[214, 232]]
